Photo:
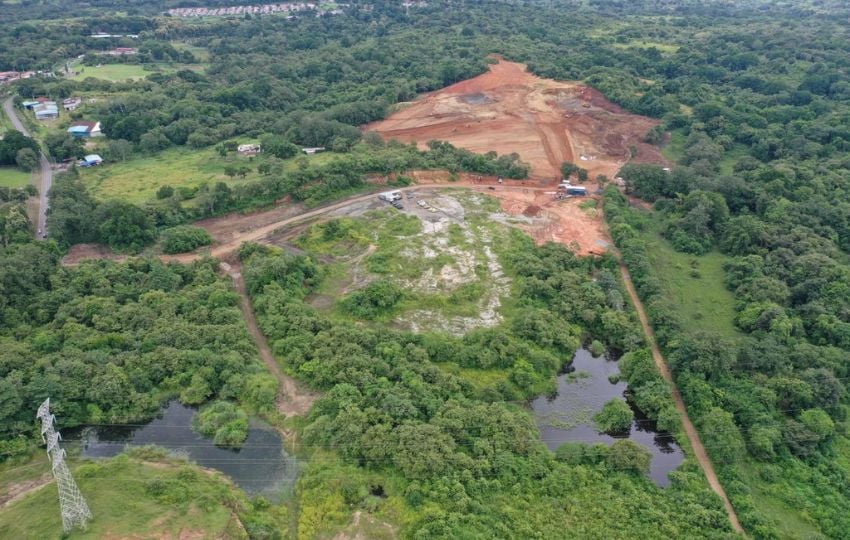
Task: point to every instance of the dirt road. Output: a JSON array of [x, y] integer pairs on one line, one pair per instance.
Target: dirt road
[[295, 401], [237, 238], [46, 171], [292, 400], [696, 443]]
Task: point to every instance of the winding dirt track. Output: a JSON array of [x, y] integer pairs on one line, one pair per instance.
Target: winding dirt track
[[292, 400], [295, 401], [690, 430]]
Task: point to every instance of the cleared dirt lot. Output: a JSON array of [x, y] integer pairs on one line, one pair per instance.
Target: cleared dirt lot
[[510, 110]]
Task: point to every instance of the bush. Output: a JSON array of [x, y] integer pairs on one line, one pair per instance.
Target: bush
[[226, 423], [377, 298], [597, 348], [629, 456], [615, 417], [184, 238]]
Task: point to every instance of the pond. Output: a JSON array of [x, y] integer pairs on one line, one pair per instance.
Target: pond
[[582, 391], [260, 467]]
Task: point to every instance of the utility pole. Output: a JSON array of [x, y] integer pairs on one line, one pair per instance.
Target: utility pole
[[72, 505]]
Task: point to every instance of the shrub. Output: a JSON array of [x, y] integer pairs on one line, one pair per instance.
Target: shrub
[[615, 417], [377, 298], [629, 455], [226, 423], [184, 238]]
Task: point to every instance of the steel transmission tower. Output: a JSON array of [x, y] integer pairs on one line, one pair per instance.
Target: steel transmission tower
[[75, 511]]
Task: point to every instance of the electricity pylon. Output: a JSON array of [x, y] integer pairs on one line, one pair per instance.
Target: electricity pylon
[[72, 505]]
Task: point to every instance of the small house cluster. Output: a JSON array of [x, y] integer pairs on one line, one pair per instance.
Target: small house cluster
[[43, 108], [241, 10], [122, 51], [12, 76]]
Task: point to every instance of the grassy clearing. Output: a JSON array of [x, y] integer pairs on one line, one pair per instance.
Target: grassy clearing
[[666, 48], [12, 177], [787, 517], [731, 157], [200, 53], [675, 147], [444, 273], [130, 497], [481, 379], [694, 285], [123, 72], [137, 179]]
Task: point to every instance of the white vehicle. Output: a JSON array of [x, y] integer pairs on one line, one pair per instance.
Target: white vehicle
[[390, 196]]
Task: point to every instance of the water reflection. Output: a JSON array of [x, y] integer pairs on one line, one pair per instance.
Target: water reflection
[[261, 466], [582, 391]]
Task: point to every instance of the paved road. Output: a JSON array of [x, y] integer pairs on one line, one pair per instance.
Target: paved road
[[46, 171]]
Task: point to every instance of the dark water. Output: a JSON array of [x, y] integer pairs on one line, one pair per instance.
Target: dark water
[[582, 391], [261, 466]]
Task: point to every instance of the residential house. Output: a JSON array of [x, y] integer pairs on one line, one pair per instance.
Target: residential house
[[71, 103], [85, 129], [248, 149], [46, 110]]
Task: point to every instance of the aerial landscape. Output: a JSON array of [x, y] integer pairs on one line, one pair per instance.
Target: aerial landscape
[[556, 269]]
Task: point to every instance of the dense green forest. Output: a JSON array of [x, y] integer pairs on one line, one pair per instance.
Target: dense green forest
[[465, 459], [755, 103]]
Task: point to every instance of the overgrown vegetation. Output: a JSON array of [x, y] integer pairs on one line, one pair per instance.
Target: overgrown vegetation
[[184, 238], [224, 422], [110, 343], [438, 439], [755, 97]]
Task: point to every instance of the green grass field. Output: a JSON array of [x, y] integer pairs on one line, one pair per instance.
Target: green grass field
[[768, 499], [666, 48], [128, 498], [702, 302], [138, 179], [123, 72], [675, 147], [13, 177]]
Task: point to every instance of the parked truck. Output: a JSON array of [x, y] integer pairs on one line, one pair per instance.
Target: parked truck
[[390, 196]]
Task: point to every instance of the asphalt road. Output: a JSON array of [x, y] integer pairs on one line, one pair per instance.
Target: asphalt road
[[46, 171]]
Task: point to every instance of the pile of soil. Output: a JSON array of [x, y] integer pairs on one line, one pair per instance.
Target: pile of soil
[[545, 121], [532, 211]]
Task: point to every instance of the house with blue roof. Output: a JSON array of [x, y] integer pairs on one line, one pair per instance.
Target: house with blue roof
[[85, 129]]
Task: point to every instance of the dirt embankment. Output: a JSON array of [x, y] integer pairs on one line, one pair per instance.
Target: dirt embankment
[[545, 121]]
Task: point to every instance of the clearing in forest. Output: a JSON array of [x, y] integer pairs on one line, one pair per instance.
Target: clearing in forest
[[443, 251], [546, 122]]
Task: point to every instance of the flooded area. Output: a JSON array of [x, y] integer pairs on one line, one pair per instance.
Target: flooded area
[[582, 391], [260, 467]]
